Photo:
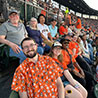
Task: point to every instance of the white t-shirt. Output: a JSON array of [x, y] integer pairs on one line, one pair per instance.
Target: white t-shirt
[[44, 29]]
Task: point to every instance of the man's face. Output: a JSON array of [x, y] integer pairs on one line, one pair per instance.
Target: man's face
[[29, 48], [14, 18]]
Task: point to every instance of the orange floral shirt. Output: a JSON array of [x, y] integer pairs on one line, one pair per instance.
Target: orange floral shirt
[[39, 81]]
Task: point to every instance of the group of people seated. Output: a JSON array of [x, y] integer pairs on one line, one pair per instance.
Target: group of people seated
[[52, 65]]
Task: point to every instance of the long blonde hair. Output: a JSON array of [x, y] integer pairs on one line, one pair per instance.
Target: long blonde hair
[[60, 57]]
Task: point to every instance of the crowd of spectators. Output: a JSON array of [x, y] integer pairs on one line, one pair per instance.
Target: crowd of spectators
[[66, 48]]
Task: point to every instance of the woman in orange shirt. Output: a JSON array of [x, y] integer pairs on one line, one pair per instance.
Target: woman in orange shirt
[[70, 62], [88, 76], [73, 88], [74, 46]]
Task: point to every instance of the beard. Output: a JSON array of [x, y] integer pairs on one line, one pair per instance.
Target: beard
[[31, 55]]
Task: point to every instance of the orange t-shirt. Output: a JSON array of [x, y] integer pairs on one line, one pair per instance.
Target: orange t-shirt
[[69, 17], [66, 59], [78, 26], [38, 80], [75, 45], [62, 29]]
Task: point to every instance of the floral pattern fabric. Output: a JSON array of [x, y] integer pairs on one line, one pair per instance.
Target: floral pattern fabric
[[38, 80]]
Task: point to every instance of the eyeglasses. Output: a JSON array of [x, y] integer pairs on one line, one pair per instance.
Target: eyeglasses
[[30, 46], [58, 48], [33, 21]]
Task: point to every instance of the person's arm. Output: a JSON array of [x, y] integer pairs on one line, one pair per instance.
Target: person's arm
[[69, 77], [26, 35], [44, 37], [23, 94], [74, 51], [65, 33], [60, 88], [79, 68], [15, 47], [57, 35], [49, 35]]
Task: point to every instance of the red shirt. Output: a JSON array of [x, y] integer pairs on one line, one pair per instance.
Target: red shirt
[[62, 29], [78, 26]]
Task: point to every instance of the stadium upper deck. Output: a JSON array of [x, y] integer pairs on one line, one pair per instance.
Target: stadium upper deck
[[75, 5], [78, 6]]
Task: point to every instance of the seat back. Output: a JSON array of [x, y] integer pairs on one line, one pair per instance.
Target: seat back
[[14, 94], [5, 59], [96, 90]]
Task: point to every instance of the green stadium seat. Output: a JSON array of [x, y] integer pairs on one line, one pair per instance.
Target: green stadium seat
[[5, 59], [96, 90], [14, 94]]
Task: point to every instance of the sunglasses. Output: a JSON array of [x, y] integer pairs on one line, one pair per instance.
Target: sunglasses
[[66, 42]]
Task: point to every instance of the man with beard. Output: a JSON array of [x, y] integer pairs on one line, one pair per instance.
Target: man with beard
[[38, 76], [12, 32]]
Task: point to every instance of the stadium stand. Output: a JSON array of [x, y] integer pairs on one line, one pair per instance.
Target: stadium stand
[[32, 8]]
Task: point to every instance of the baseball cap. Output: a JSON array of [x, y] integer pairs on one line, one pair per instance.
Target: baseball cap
[[62, 22], [55, 44], [13, 11]]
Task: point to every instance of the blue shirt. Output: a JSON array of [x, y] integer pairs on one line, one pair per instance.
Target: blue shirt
[[35, 34], [53, 31]]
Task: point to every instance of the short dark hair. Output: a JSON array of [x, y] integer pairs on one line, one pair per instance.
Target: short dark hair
[[40, 16], [26, 39], [53, 20], [64, 40]]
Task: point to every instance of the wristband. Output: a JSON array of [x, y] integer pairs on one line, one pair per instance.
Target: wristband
[[76, 86]]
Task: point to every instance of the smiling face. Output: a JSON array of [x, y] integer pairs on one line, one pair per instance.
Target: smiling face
[[29, 48], [42, 20], [14, 18], [84, 37], [56, 51], [33, 22], [78, 39], [74, 38]]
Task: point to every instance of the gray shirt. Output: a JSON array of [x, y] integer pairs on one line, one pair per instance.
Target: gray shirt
[[13, 33]]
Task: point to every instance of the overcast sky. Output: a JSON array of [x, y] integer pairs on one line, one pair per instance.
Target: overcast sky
[[92, 3]]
